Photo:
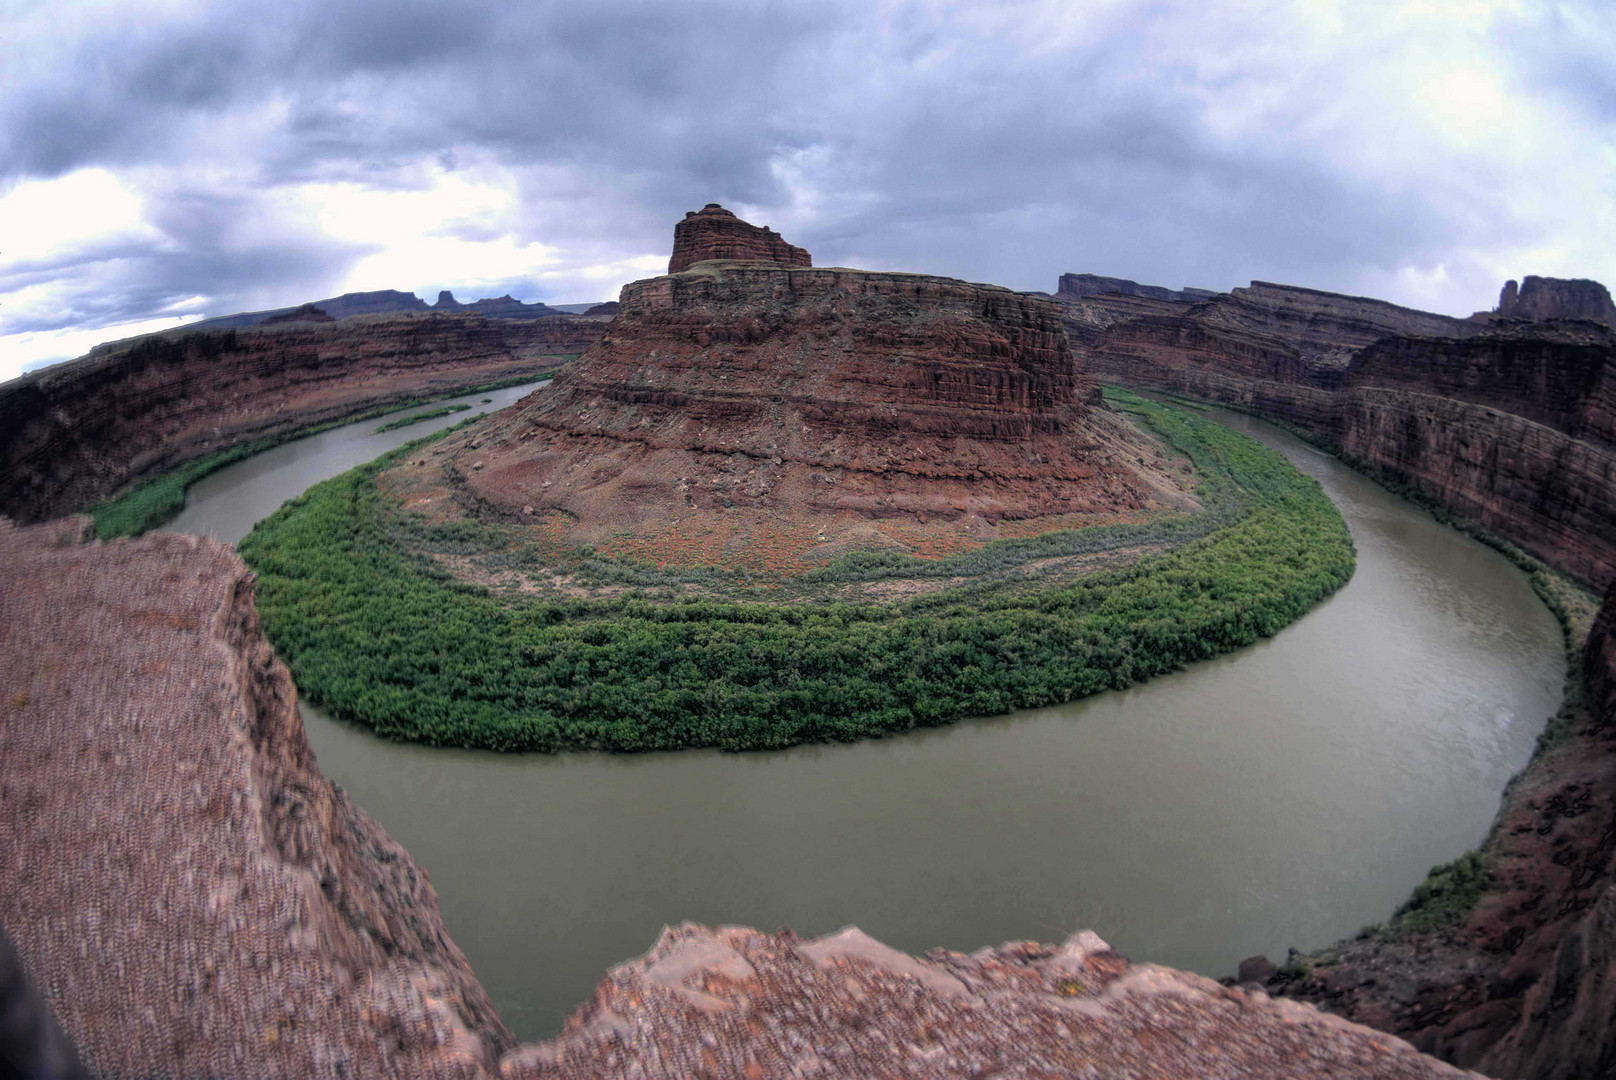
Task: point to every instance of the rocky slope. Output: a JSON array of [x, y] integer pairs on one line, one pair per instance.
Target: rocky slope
[[188, 892], [193, 898], [74, 433], [1508, 423], [714, 233]]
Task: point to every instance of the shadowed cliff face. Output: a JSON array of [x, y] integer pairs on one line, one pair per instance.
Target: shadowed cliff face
[[72, 434], [1540, 298]]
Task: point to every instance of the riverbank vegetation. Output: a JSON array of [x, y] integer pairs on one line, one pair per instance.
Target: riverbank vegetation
[[159, 500], [416, 418], [380, 634]]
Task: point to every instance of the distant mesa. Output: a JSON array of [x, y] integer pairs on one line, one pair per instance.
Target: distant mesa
[[308, 313], [380, 302], [1542, 298], [608, 308], [1077, 286], [714, 233]]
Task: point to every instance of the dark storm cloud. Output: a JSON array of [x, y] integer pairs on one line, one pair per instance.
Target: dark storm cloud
[[959, 139]]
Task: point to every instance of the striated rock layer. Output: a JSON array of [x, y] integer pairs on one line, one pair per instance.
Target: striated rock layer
[[714, 233], [845, 392], [72, 434], [1512, 425], [192, 898]]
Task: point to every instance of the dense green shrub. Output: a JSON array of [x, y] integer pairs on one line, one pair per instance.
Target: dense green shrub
[[379, 634], [416, 418]]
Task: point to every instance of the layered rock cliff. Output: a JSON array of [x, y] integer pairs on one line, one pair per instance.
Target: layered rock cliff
[[1510, 424], [74, 433], [1540, 298], [193, 898], [843, 391], [714, 233]]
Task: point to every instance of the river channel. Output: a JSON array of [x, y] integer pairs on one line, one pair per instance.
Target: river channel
[[1284, 795]]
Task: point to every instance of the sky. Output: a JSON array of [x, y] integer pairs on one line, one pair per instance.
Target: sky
[[166, 160]]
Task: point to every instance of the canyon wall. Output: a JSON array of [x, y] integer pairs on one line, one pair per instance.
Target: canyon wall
[[1510, 424], [192, 898], [74, 433], [714, 233]]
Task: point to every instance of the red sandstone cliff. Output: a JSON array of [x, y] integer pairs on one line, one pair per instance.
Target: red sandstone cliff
[[1510, 424], [74, 433], [714, 233], [193, 898], [876, 393]]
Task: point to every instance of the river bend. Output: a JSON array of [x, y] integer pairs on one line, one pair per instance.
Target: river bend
[[1284, 795]]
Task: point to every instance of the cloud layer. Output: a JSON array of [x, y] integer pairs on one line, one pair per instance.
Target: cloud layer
[[160, 161]]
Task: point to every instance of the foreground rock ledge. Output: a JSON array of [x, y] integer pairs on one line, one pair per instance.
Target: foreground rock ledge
[[194, 899]]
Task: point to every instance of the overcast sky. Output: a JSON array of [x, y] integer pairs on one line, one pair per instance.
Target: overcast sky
[[168, 160]]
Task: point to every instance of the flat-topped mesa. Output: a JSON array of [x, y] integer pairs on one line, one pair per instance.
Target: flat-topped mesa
[[1540, 298], [714, 233], [1078, 286]]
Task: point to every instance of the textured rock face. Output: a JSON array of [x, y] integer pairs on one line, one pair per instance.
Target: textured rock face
[[1511, 425], [73, 434], [188, 892], [731, 1002], [1539, 298], [851, 392], [714, 233]]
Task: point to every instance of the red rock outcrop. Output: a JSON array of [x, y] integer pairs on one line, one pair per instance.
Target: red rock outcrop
[[74, 433], [1540, 298], [193, 898], [188, 892], [714, 233], [732, 1002], [844, 392]]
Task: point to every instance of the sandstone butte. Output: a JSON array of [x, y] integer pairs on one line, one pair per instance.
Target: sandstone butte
[[213, 907], [714, 233], [828, 402], [1506, 419], [74, 433]]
